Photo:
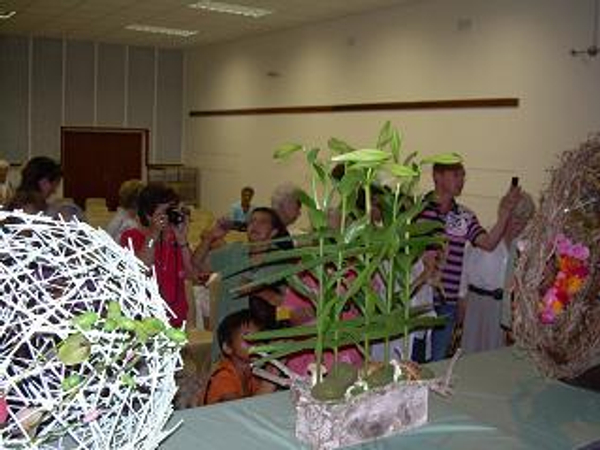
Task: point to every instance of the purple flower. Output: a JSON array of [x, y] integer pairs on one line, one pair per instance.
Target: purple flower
[[580, 252], [547, 317]]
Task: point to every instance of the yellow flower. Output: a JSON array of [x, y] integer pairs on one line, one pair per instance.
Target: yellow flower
[[574, 285], [557, 307]]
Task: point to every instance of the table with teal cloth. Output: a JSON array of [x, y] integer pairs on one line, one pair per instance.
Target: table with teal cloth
[[500, 402]]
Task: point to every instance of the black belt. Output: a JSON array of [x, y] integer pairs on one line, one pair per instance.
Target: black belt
[[496, 294]]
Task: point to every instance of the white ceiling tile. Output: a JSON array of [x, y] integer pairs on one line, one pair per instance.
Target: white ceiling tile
[[104, 20]]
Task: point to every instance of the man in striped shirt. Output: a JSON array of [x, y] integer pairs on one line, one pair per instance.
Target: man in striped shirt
[[460, 226]]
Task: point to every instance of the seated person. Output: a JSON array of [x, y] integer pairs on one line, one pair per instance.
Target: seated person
[[5, 187], [66, 210], [301, 311], [286, 203], [40, 179], [232, 377], [239, 263], [126, 216], [240, 211]]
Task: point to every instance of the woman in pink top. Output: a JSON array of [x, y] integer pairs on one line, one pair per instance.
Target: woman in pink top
[[302, 312]]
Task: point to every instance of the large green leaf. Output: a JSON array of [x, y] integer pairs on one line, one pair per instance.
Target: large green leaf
[[312, 155], [286, 150], [318, 218], [283, 333], [306, 199], [340, 333], [355, 229], [443, 158], [424, 227], [408, 160], [320, 171], [296, 283], [339, 146], [395, 144], [350, 182], [385, 135], [364, 155], [401, 171], [310, 260]]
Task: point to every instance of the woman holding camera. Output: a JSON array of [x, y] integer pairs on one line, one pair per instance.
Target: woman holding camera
[[160, 241]]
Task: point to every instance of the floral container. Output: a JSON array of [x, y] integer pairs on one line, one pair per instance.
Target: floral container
[[376, 413]]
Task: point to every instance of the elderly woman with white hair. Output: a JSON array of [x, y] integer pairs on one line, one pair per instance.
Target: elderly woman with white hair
[[285, 200], [485, 284]]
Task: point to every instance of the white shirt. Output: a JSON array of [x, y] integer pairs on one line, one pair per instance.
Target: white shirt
[[485, 270], [120, 222], [422, 297]]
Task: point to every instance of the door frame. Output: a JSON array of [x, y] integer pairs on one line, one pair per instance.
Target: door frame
[[143, 132]]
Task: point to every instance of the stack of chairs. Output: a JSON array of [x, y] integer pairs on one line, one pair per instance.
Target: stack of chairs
[[97, 212], [201, 220]]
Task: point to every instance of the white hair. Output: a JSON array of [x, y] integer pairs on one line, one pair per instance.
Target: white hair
[[525, 209], [4, 164], [286, 192]]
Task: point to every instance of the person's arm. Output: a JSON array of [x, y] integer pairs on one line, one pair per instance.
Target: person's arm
[[180, 232], [430, 274], [265, 387], [200, 257], [489, 240], [142, 244], [270, 295]]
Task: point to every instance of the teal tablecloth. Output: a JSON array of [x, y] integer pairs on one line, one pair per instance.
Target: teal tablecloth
[[500, 402]]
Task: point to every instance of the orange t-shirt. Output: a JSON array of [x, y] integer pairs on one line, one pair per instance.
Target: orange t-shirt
[[225, 380]]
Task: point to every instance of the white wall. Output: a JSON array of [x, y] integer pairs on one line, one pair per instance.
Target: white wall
[[432, 49], [48, 83]]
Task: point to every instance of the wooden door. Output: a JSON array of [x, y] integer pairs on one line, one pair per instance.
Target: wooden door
[[96, 161]]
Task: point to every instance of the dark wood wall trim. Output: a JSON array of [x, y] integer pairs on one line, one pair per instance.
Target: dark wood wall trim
[[506, 102]]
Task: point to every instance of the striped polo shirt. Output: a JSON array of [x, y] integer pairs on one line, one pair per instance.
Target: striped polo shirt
[[460, 225]]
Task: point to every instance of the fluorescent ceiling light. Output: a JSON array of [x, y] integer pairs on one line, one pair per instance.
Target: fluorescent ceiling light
[[230, 8], [7, 15], [161, 30]]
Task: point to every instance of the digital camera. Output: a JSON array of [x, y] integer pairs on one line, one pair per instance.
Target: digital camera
[[175, 216]]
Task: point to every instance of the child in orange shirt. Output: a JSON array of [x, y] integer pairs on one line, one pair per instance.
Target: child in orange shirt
[[232, 377]]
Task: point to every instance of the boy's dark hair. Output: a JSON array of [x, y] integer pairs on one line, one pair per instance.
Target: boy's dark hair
[[438, 168], [263, 314], [38, 169], [248, 189], [230, 324], [151, 196]]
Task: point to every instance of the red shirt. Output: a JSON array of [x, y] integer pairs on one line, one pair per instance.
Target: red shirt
[[170, 272]]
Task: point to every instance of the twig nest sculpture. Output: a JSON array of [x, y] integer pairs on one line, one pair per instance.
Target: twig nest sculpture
[[557, 280], [87, 359]]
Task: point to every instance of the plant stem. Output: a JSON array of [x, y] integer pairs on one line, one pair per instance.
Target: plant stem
[[340, 263], [390, 276], [321, 282], [368, 300], [406, 295]]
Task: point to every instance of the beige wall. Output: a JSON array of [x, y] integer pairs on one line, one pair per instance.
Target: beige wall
[[432, 49]]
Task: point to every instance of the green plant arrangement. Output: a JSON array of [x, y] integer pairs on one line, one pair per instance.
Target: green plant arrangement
[[364, 261]]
